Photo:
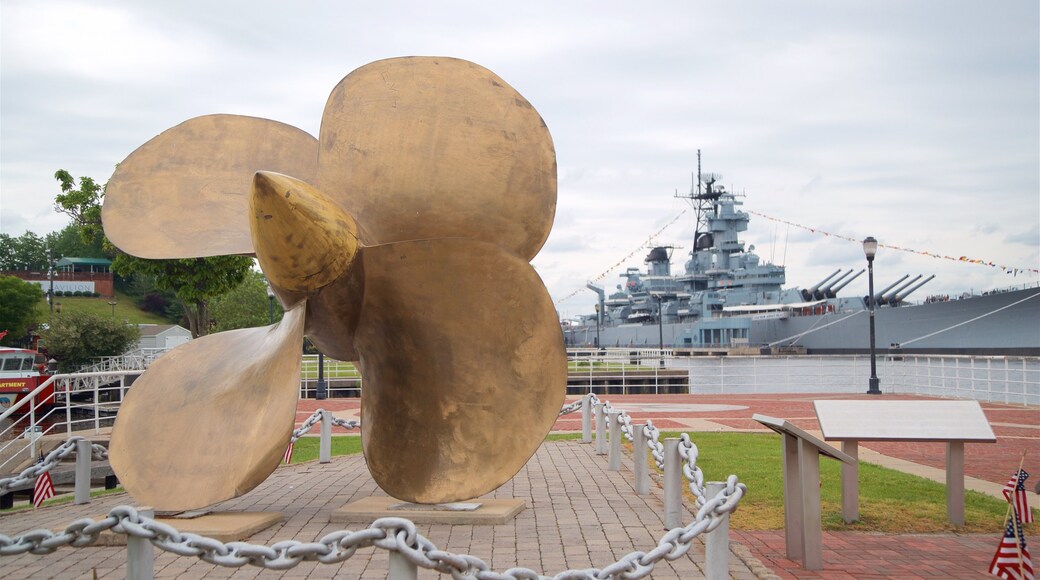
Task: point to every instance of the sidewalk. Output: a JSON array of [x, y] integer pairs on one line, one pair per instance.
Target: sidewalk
[[578, 515]]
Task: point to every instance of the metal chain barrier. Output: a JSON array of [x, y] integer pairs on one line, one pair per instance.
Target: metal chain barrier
[[688, 452], [315, 418], [653, 440], [29, 474], [567, 409], [392, 534]]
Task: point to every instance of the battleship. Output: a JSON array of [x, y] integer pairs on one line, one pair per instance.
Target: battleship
[[728, 301]]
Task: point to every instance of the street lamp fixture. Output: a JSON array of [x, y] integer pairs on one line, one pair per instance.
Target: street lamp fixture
[[870, 250]]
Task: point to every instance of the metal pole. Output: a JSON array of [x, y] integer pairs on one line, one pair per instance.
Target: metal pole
[[614, 458], [716, 545], [140, 555], [586, 420], [270, 308], [601, 436], [325, 448], [872, 389], [322, 392], [660, 327], [401, 568], [82, 471], [672, 484], [639, 460]]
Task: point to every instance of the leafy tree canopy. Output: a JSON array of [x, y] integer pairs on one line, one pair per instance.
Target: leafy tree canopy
[[194, 281], [18, 300], [74, 339], [245, 306]]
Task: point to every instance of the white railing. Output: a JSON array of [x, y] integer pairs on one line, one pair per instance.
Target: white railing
[[31, 415], [1010, 380], [624, 371], [342, 379]]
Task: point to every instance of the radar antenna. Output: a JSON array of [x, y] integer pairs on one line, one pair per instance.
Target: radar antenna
[[703, 200]]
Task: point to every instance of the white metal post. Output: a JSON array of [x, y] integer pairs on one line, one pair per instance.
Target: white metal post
[[83, 471], [140, 555], [325, 448], [716, 545], [601, 436], [672, 484], [639, 460], [614, 458], [401, 568], [586, 419]]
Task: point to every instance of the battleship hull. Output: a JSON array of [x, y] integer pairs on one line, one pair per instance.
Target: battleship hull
[[997, 323]]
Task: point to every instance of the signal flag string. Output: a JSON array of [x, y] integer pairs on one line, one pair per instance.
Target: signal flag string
[[1006, 269], [622, 261]]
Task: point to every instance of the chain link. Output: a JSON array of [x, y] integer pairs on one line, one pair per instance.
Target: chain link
[[393, 534], [29, 474], [315, 418]]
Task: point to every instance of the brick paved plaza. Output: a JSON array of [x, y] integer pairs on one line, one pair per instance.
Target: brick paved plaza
[[572, 498]]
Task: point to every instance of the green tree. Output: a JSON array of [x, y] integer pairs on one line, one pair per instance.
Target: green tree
[[75, 338], [194, 281], [27, 252], [18, 300], [69, 243], [245, 306]]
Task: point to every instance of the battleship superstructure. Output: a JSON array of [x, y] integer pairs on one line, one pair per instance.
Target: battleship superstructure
[[727, 297]]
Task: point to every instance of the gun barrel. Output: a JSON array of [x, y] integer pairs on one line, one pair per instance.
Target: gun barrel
[[902, 295], [834, 291], [879, 295]]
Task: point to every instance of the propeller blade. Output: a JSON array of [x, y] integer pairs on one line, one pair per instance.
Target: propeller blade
[[210, 420], [464, 367], [432, 147], [185, 193]]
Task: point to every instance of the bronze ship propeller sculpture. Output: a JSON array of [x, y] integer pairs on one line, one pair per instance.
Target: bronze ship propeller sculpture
[[401, 238]]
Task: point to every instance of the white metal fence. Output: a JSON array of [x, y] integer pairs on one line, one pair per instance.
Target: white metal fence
[[1013, 380]]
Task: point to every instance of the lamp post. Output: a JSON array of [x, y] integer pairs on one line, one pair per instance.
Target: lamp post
[[598, 316], [50, 277], [113, 303], [870, 249], [660, 327], [322, 392]]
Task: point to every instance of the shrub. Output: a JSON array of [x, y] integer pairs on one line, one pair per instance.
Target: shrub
[[74, 338], [77, 293], [95, 294]]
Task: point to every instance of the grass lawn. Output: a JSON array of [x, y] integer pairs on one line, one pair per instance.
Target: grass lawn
[[125, 309], [890, 501]]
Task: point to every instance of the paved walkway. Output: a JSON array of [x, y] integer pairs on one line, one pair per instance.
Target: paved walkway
[[571, 497], [849, 554], [579, 515]]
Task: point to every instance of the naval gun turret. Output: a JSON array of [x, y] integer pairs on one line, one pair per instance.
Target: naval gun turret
[[807, 295], [833, 292], [902, 295], [825, 291], [889, 296], [877, 297]]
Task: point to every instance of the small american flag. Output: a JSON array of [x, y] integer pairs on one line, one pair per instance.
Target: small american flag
[[1006, 562], [287, 458], [1015, 492], [43, 489]]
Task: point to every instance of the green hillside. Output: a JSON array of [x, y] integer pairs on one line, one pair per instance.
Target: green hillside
[[125, 309]]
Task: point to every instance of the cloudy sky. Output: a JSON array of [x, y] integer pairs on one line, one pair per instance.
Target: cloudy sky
[[915, 122]]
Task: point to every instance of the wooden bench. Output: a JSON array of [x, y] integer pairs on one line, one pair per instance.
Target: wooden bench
[[952, 422]]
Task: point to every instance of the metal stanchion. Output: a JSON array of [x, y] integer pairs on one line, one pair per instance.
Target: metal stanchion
[[614, 458], [601, 435], [140, 555], [716, 544], [401, 568], [672, 484], [639, 460], [325, 448], [586, 420], [83, 471]]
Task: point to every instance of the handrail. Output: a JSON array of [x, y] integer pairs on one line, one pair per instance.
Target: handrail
[[32, 396]]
